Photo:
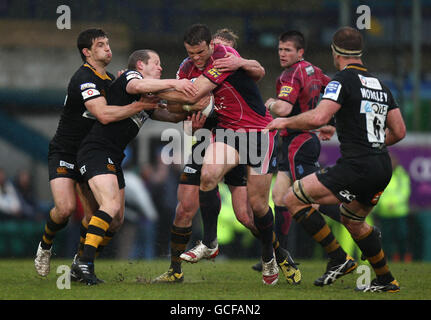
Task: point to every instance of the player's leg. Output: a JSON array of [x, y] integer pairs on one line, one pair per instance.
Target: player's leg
[[258, 186], [89, 206], [181, 230], [299, 200], [107, 193], [368, 240], [63, 192], [283, 218]]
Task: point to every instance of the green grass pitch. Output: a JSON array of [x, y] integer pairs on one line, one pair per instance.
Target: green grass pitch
[[206, 280]]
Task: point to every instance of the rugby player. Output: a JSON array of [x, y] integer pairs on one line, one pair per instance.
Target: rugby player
[[359, 101], [85, 102], [188, 188], [298, 90], [102, 151], [240, 112]]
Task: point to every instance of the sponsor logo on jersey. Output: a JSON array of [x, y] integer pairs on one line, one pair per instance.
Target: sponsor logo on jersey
[[332, 90], [89, 93], [309, 70], [369, 82], [285, 91], [214, 72], [67, 164], [88, 85], [374, 107]]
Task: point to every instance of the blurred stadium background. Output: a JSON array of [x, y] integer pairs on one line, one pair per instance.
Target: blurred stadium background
[[37, 60]]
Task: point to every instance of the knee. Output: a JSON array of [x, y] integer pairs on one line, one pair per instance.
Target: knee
[[64, 210], [355, 228], [258, 205], [116, 223], [278, 196], [245, 217], [186, 210], [209, 180]]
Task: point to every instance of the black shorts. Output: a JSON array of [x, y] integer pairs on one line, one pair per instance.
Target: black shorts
[[255, 148], [63, 165], [362, 179], [299, 155], [191, 174], [99, 162]]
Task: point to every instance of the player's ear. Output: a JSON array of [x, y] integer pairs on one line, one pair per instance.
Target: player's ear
[[86, 52]]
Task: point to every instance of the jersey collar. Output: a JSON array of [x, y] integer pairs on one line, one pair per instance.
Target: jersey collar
[[357, 66], [103, 77]]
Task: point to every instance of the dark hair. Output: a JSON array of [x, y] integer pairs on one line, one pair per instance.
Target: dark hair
[[196, 34], [348, 41], [295, 36], [86, 38], [139, 55], [227, 35]]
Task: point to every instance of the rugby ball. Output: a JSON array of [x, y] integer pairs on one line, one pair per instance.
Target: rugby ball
[[208, 110]]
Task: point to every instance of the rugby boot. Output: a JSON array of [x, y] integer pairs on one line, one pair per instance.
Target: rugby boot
[[289, 268], [198, 252], [376, 286], [84, 272], [335, 271], [169, 276], [270, 272], [42, 261]]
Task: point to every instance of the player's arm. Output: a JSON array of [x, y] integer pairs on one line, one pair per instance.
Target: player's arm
[[165, 115], [278, 107], [395, 127], [105, 113], [309, 120], [204, 87], [231, 63], [140, 86]]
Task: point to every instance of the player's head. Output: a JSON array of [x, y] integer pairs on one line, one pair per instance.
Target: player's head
[[147, 62], [347, 45], [225, 37], [291, 47], [93, 45], [197, 41]]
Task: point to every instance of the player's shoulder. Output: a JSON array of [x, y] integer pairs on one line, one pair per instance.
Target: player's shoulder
[[185, 67], [220, 51]]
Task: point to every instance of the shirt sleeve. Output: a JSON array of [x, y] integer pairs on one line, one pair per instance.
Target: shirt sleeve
[[335, 90], [90, 90], [289, 90]]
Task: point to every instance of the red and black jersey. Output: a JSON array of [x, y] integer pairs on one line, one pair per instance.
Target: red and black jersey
[[238, 103], [301, 85]]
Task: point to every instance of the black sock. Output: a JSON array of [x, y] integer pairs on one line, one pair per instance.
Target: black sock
[[316, 226], [265, 225], [51, 228], [179, 239], [97, 228], [106, 239], [210, 208], [332, 211], [371, 248], [83, 227], [282, 224]]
